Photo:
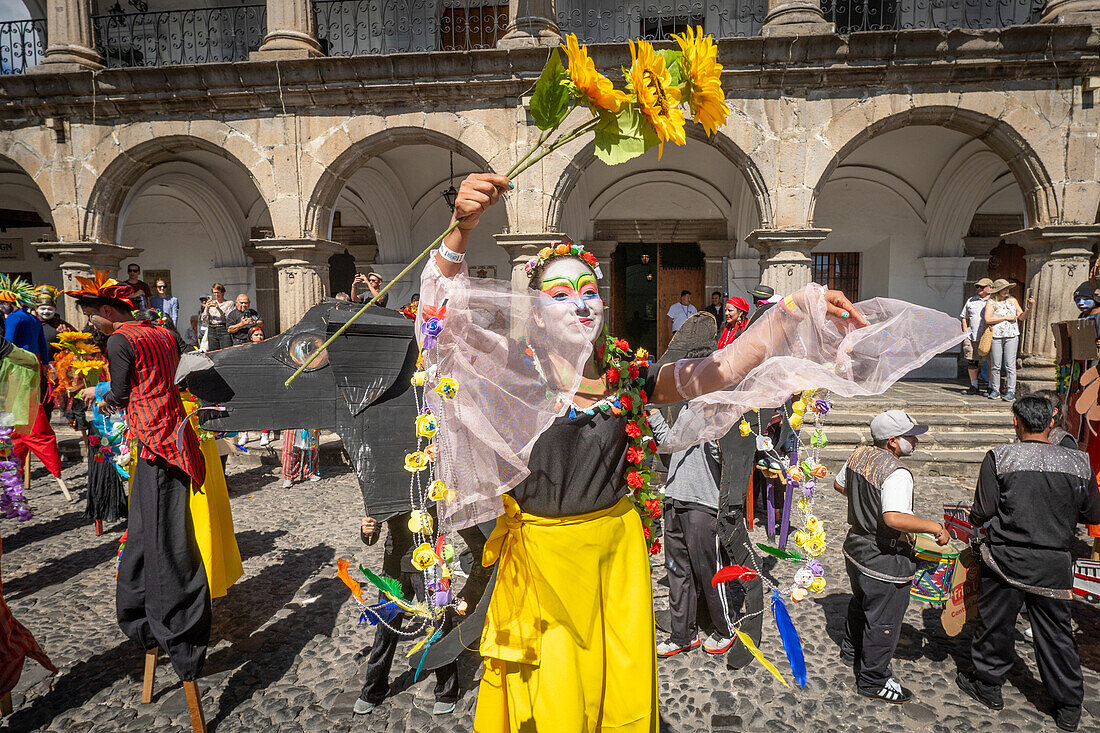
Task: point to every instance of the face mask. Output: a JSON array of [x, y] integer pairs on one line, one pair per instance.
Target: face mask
[[905, 447]]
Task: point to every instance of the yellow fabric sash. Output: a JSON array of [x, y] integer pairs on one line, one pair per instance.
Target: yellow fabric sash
[[513, 623]]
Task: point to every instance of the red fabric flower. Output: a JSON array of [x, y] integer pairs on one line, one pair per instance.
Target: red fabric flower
[[612, 375], [633, 430], [622, 344], [655, 547], [634, 479], [589, 258], [633, 371], [627, 402], [643, 396], [653, 506], [634, 455], [645, 532]]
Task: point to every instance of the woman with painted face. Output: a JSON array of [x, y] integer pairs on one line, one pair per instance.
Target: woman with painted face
[[545, 421]]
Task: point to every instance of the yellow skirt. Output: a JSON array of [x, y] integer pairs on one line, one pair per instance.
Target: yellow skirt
[[213, 520], [569, 637]]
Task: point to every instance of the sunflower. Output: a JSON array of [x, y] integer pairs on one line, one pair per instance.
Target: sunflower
[[594, 86], [657, 99], [703, 73]]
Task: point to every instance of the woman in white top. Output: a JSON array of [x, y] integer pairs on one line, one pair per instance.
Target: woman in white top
[[1003, 315]]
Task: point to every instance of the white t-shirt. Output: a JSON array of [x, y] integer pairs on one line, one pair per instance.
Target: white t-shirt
[[974, 313], [679, 313], [897, 489]]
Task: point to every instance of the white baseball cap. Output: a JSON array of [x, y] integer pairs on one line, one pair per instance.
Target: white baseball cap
[[894, 424]]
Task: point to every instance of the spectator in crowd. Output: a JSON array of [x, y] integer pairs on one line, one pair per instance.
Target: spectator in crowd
[[52, 323], [763, 297], [410, 310], [142, 293], [301, 451], [343, 296], [692, 551], [1003, 314], [241, 320], [973, 323], [167, 304], [214, 314], [681, 310], [191, 336], [373, 281], [716, 307], [1031, 496], [1058, 434], [878, 551], [256, 334], [734, 321]]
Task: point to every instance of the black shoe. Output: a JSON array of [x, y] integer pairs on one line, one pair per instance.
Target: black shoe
[[972, 389], [987, 695], [892, 691], [1068, 717]]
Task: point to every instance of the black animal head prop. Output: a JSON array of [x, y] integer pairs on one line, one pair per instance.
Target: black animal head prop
[[360, 389]]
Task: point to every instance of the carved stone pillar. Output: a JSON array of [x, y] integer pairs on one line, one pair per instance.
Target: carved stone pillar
[[301, 270], [291, 32], [1057, 258], [530, 23], [787, 262], [714, 253], [267, 290], [71, 43], [1072, 11], [82, 258], [795, 18]]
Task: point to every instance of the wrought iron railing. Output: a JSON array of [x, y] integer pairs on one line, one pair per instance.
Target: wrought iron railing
[[22, 44], [193, 36], [874, 15], [360, 27], [605, 22]]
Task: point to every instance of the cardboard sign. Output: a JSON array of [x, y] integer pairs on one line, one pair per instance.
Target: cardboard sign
[[963, 603], [1082, 339]]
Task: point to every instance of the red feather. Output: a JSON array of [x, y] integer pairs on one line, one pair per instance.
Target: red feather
[[732, 572]]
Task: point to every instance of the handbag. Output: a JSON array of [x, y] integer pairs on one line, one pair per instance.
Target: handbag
[[985, 343]]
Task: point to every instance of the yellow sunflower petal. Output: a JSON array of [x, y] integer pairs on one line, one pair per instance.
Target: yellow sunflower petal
[[596, 88], [704, 76], [658, 100]]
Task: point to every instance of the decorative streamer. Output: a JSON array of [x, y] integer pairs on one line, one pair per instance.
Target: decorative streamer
[[792, 645], [759, 656]]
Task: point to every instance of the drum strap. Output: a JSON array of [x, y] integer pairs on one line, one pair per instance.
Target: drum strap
[[1062, 594]]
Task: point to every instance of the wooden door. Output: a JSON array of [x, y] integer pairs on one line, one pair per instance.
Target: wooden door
[[680, 267]]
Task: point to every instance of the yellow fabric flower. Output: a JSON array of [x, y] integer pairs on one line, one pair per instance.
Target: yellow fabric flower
[[425, 425], [795, 421], [423, 557], [438, 491], [415, 462], [657, 99], [744, 428], [816, 547], [545, 253], [596, 88], [818, 585], [704, 76], [420, 521]]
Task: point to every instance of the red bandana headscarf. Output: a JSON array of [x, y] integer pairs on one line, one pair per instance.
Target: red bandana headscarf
[[729, 333]]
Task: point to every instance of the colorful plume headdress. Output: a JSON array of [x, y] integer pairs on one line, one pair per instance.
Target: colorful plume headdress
[[102, 286], [562, 250], [46, 294], [18, 291]]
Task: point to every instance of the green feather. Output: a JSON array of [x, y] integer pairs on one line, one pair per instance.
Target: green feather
[[781, 554], [382, 583]]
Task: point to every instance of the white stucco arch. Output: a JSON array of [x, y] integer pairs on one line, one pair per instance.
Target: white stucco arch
[[371, 192], [959, 190]]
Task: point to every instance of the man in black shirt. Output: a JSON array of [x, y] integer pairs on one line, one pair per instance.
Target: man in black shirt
[[717, 308], [1032, 495], [241, 320]]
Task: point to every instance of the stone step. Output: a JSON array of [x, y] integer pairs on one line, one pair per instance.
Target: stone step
[[853, 436], [937, 421], [954, 463]]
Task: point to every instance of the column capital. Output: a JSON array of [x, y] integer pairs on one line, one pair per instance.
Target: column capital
[[89, 254], [787, 261], [1060, 240], [522, 247], [530, 23], [1071, 11], [305, 251], [944, 273], [795, 18], [771, 241]]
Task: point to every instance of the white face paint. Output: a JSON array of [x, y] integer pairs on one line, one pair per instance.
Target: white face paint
[[46, 312], [573, 308]]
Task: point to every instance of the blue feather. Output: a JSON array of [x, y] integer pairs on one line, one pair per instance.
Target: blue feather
[[792, 645]]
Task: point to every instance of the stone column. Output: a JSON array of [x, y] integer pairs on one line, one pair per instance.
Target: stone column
[[291, 32], [1057, 258], [530, 23], [301, 270], [947, 274], [795, 18], [715, 252], [787, 261], [267, 291], [744, 275], [1072, 11], [71, 42], [83, 258]]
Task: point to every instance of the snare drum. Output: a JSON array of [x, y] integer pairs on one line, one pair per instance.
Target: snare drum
[[935, 570]]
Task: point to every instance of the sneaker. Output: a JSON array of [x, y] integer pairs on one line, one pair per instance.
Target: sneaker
[[1009, 397], [994, 395], [315, 478], [716, 644], [892, 692], [362, 707], [443, 708], [242, 439], [973, 389], [988, 695], [669, 648], [287, 483], [1067, 718], [265, 438]]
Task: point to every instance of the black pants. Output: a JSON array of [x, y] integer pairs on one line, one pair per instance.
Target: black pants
[[692, 557], [993, 649], [874, 623], [396, 564], [218, 338], [163, 598]]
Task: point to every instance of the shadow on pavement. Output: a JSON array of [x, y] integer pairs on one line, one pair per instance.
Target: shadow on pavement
[[26, 534], [62, 569]]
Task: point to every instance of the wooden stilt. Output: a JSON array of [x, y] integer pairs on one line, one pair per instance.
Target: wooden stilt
[[64, 488], [150, 671], [194, 706], [5, 704], [27, 471], [98, 527]]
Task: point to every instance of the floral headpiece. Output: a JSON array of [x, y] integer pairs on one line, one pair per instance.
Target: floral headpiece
[[102, 286], [18, 291], [562, 250]]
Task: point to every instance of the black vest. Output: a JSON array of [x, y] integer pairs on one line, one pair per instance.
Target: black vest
[[878, 551]]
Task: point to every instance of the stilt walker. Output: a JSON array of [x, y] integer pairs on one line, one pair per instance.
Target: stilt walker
[[163, 596]]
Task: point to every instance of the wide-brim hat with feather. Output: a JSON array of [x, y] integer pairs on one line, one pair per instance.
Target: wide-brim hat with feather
[[18, 291], [102, 287]]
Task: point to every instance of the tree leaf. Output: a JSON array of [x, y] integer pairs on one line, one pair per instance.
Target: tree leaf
[[550, 102]]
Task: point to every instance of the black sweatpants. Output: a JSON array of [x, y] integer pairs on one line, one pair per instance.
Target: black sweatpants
[[218, 338], [874, 623], [396, 563], [993, 649], [692, 556], [162, 597]]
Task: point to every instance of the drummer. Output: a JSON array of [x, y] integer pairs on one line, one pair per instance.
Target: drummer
[[878, 551]]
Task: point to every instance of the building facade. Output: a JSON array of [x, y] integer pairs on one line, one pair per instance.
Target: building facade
[[885, 147]]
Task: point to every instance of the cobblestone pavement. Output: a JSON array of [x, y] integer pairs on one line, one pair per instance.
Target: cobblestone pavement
[[286, 654]]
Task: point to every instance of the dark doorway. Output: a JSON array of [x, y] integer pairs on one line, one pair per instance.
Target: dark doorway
[[341, 271], [646, 280]]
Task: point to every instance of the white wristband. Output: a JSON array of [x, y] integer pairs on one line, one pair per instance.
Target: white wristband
[[450, 255]]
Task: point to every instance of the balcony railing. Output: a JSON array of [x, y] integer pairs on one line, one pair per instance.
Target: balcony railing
[[875, 15], [166, 38], [361, 27], [22, 44], [602, 22]]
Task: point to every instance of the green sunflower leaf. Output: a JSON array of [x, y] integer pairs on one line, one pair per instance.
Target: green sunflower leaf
[[674, 64], [623, 136], [550, 102]]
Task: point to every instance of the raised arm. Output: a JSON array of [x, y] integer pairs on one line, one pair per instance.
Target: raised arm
[[476, 194]]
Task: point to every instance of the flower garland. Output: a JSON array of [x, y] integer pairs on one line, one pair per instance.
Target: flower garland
[[12, 502], [547, 253]]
